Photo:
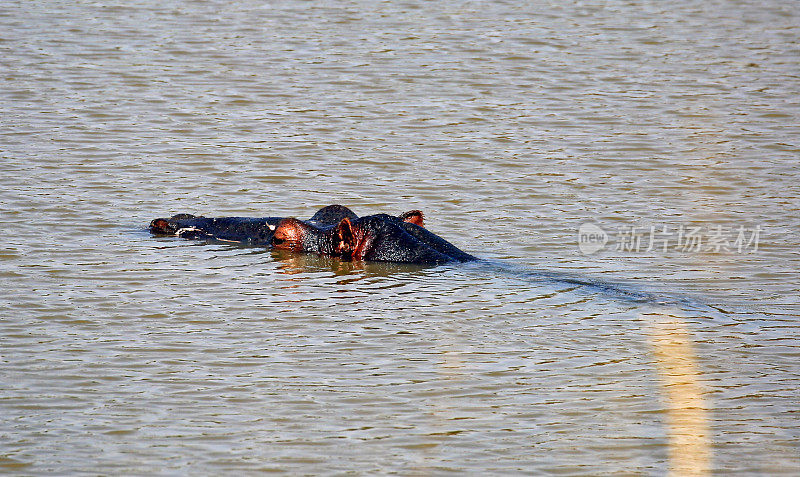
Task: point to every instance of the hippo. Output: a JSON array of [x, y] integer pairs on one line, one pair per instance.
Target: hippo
[[336, 231], [379, 237], [254, 231]]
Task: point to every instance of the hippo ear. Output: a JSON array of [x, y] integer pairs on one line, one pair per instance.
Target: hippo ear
[[413, 217], [345, 238]]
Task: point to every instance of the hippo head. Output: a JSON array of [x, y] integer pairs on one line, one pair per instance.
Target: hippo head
[[336, 239]]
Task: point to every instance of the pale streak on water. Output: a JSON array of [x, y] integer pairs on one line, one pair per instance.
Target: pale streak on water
[[510, 125]]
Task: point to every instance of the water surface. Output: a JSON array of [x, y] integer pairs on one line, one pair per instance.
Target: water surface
[[511, 126]]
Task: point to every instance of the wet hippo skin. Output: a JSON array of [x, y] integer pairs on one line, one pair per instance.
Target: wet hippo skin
[[377, 237], [257, 231]]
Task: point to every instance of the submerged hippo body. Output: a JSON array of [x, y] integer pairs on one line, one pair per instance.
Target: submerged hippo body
[[378, 237]]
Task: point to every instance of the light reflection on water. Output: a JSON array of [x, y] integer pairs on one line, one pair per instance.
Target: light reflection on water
[[510, 126]]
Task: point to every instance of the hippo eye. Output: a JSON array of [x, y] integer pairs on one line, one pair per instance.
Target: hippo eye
[[277, 241]]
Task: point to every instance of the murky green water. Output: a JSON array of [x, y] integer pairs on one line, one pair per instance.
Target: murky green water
[[511, 125]]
